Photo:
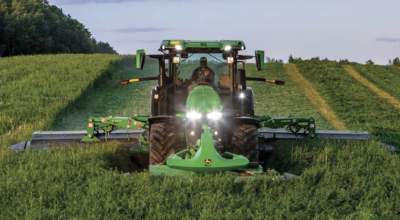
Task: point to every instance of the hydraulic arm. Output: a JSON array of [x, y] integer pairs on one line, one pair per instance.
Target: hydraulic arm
[[109, 124], [294, 124]]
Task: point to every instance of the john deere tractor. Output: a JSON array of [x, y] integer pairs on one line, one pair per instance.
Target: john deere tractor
[[201, 115]]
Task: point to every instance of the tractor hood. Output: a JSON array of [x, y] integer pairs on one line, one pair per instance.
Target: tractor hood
[[203, 99]]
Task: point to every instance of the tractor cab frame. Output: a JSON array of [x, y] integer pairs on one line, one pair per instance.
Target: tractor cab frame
[[169, 97]]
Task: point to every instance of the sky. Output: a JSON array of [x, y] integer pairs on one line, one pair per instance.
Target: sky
[[357, 30]]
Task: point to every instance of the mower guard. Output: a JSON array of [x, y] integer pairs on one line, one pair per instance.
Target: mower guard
[[207, 159]]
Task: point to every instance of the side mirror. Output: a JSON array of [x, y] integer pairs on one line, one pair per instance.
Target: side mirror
[[140, 57], [260, 59], [241, 78]]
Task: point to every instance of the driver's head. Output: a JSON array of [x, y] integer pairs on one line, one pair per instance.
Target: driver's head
[[203, 62]]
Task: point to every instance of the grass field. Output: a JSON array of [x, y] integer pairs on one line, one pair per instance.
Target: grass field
[[339, 179], [112, 98], [283, 100], [387, 78], [354, 103], [37, 90]]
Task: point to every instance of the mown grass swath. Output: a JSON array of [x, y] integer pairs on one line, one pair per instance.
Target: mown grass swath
[[386, 78], [283, 100], [36, 90], [354, 103]]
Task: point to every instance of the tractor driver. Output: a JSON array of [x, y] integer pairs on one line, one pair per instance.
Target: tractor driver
[[203, 73]]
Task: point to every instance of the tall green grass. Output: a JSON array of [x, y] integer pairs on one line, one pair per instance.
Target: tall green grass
[[354, 103], [112, 98], [341, 180], [37, 90]]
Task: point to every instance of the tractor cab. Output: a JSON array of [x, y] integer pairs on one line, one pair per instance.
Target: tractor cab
[[186, 64]]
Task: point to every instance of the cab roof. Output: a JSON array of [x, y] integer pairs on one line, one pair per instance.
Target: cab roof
[[203, 44]]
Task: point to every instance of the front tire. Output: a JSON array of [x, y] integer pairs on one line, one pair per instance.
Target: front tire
[[163, 142], [245, 141]]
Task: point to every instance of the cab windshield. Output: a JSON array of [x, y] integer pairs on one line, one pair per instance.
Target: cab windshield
[[190, 69]]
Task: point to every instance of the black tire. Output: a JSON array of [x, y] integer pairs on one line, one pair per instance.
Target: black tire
[[245, 141], [163, 142]]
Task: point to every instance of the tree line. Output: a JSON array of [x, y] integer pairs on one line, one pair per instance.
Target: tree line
[[394, 62], [35, 27]]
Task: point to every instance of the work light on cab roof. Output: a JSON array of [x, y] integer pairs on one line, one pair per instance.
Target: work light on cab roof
[[222, 45]]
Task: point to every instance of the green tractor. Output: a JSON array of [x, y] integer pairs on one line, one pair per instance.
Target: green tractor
[[202, 115]]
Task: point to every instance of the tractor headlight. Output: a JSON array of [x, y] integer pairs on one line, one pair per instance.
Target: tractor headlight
[[178, 47], [230, 59], [193, 115], [214, 115], [227, 48], [176, 60]]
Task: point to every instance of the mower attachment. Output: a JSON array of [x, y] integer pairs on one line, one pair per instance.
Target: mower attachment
[[42, 140]]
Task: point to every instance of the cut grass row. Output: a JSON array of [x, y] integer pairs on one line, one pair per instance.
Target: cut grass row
[[354, 103], [314, 97], [386, 78], [283, 100], [381, 93]]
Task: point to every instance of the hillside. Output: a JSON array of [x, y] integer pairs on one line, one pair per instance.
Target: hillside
[[339, 179], [354, 100], [36, 91]]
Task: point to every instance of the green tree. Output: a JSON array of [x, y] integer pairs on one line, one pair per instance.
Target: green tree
[[396, 62], [35, 27], [291, 60], [370, 62], [105, 48]]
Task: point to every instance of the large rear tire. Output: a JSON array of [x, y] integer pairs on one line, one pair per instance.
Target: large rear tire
[[245, 141], [163, 142]]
